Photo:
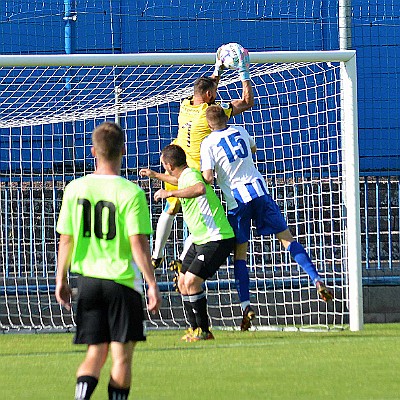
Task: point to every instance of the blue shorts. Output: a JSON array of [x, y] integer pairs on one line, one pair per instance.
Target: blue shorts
[[265, 214]]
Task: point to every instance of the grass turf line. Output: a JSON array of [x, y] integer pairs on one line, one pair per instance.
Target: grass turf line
[[237, 365]]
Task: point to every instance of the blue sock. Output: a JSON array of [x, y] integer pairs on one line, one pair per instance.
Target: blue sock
[[302, 258], [242, 280]]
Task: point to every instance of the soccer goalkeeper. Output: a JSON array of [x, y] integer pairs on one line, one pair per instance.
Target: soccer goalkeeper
[[227, 152], [192, 129]]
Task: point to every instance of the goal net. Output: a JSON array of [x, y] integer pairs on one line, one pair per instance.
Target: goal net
[[304, 125]]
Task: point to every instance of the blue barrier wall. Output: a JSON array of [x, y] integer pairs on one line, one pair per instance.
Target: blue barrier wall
[[52, 26]]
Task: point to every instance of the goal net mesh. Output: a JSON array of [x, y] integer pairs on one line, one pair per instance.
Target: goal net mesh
[[47, 115]]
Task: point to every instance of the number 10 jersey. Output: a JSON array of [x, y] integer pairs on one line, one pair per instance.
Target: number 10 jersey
[[100, 212]]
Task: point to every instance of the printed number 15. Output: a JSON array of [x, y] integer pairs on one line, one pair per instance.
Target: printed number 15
[[238, 146]]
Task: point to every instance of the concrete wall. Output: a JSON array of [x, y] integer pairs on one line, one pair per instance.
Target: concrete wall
[[381, 304]]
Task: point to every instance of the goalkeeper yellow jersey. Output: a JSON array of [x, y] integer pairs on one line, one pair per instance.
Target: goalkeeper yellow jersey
[[193, 128]]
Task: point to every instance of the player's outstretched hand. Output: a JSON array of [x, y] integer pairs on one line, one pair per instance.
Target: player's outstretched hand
[[244, 66], [147, 172], [161, 194]]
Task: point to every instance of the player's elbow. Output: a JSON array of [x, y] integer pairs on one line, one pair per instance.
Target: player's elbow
[[208, 177], [250, 102], [200, 189]]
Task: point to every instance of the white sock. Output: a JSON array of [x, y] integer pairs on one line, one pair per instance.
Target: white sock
[[186, 245], [163, 230]]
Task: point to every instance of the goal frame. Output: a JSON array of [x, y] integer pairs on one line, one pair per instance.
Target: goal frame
[[349, 124]]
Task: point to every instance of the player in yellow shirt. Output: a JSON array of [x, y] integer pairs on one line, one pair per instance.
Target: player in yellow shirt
[[192, 129]]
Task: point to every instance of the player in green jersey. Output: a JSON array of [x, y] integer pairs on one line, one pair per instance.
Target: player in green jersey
[[213, 237], [103, 225]]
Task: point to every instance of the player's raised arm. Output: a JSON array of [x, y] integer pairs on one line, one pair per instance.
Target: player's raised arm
[[158, 175], [234, 56], [247, 100], [190, 192], [218, 66]]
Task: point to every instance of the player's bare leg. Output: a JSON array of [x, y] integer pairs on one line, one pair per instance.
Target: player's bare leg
[[88, 373], [96, 356], [121, 355]]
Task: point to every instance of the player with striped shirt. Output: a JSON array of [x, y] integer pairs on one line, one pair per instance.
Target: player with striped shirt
[[227, 153], [103, 224]]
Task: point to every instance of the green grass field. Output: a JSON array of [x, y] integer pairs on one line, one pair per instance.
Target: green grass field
[[237, 365]]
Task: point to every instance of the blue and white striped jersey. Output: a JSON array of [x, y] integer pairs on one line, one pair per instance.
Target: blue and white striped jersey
[[228, 153]]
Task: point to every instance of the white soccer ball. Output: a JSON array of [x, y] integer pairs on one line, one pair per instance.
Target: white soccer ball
[[230, 55]]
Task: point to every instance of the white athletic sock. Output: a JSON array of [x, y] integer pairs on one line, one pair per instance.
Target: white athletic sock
[[163, 230], [186, 245]]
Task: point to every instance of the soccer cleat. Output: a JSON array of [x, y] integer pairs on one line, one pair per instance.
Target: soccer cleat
[[175, 266], [323, 292], [199, 334], [156, 262], [175, 284], [248, 316], [188, 334]]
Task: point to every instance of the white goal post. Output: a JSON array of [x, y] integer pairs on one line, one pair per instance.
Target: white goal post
[[305, 125]]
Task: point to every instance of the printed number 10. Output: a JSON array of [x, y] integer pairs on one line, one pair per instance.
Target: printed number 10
[[98, 219]]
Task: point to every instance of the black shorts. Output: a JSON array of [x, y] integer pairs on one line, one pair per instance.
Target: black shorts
[[203, 260], [108, 312]]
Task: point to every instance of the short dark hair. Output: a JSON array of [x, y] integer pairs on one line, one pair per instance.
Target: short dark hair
[[108, 140], [204, 83], [174, 155], [216, 114]]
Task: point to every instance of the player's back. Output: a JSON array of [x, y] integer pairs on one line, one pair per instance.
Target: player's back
[[101, 212], [228, 152]]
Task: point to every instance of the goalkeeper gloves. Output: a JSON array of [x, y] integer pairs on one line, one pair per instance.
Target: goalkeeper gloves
[[244, 65], [218, 67]]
